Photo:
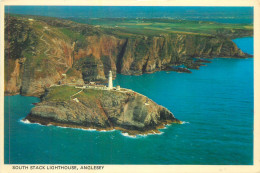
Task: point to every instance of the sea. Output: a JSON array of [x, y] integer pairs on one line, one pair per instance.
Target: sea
[[227, 14], [216, 104]]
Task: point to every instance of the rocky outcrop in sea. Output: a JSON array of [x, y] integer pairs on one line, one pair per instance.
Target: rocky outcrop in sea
[[124, 110]]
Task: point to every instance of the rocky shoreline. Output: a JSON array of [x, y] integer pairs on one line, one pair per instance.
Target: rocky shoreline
[[129, 132]]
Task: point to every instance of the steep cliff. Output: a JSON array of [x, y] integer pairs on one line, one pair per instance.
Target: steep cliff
[[39, 51], [36, 56], [127, 111]]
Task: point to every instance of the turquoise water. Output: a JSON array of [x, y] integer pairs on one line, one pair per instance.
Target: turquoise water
[[216, 102]]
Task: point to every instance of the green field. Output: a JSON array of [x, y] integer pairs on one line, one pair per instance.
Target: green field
[[63, 93], [123, 26]]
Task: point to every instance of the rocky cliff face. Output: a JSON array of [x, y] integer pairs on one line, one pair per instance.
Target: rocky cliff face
[[38, 52], [103, 110], [36, 56], [149, 54]]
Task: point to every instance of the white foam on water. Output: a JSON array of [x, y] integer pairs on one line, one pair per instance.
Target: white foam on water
[[185, 122], [141, 135], [107, 130], [127, 135], [25, 121], [89, 129], [62, 127]]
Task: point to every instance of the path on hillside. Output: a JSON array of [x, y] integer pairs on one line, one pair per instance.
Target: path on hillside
[[76, 93], [59, 59], [48, 46]]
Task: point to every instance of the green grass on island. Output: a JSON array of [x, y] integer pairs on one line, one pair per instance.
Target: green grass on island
[[61, 93], [64, 93]]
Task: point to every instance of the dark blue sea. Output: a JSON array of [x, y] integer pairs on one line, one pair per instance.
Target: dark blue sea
[[215, 103]]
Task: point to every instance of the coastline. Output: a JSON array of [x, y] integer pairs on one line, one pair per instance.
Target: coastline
[[131, 133]]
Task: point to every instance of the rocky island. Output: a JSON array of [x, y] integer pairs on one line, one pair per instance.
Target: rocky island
[[124, 110], [43, 52]]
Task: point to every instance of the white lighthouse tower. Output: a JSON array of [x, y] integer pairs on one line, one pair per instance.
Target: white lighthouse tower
[[110, 80]]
